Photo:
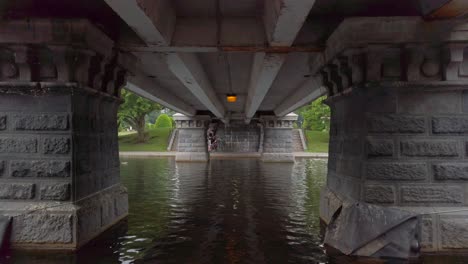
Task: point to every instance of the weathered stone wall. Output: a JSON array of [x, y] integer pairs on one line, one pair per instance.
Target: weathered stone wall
[[406, 147], [59, 165], [238, 137], [278, 141], [35, 148], [192, 145], [192, 140]]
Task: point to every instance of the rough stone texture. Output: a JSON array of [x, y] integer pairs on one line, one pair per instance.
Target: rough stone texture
[[277, 140], [379, 194], [56, 145], [192, 140], [28, 168], [99, 211], [454, 232], [379, 148], [18, 145], [432, 194], [429, 148], [43, 228], [239, 138], [57, 192], [449, 125], [2, 167], [396, 124], [415, 155], [396, 171], [450, 171], [39, 155], [3, 122], [16, 191], [41, 122], [427, 233]]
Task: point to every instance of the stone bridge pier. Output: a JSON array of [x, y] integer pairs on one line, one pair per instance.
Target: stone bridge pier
[[397, 179], [59, 163], [269, 137]]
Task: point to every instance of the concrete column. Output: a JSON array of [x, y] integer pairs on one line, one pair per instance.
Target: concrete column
[[192, 142], [398, 167], [277, 138], [59, 163]]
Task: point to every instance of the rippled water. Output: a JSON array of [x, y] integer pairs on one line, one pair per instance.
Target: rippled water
[[225, 211]]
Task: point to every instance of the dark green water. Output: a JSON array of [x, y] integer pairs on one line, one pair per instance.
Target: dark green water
[[225, 211]]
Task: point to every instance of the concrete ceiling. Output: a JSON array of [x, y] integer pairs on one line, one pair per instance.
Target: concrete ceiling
[[199, 51]]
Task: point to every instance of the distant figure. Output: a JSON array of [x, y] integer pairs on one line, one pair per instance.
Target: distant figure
[[211, 136]]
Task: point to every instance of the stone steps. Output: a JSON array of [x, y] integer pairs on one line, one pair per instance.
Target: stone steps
[[297, 142], [176, 140]]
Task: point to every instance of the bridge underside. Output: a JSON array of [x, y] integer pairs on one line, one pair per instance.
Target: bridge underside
[[397, 86]]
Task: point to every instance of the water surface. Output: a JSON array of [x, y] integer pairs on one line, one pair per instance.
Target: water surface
[[224, 211]]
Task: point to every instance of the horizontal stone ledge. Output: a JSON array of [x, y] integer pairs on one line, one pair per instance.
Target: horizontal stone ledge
[[54, 228], [391, 123], [44, 121], [17, 191], [450, 171], [450, 125], [17, 144], [396, 171], [191, 157], [429, 148], [56, 145], [277, 157], [432, 194], [40, 168], [56, 192], [379, 147]]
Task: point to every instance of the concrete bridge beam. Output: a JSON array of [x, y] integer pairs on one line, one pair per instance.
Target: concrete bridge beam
[[59, 163]]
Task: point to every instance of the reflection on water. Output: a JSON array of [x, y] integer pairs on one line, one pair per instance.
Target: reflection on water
[[225, 211]]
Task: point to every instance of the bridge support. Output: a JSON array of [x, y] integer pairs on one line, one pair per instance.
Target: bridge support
[[192, 141], [403, 147], [270, 136], [398, 167], [278, 139], [59, 163]]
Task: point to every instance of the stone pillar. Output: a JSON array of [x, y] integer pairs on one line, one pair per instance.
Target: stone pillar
[[398, 148], [192, 142], [277, 138], [59, 163]]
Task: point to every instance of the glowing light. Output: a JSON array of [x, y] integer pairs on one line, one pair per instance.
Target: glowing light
[[231, 98]]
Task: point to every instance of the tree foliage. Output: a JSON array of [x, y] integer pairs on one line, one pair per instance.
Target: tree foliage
[[315, 116], [133, 111], [163, 121]]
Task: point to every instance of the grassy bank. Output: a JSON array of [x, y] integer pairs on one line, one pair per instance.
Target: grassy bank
[[158, 139], [317, 141]]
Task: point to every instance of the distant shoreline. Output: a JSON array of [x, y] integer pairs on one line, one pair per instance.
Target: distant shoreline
[[218, 154]]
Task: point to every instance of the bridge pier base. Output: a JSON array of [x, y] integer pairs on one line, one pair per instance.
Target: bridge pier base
[[270, 136], [59, 160], [399, 146], [278, 139], [59, 164]]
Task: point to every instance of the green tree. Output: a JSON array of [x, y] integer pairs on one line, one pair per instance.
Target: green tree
[[134, 110], [163, 121], [315, 116]]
